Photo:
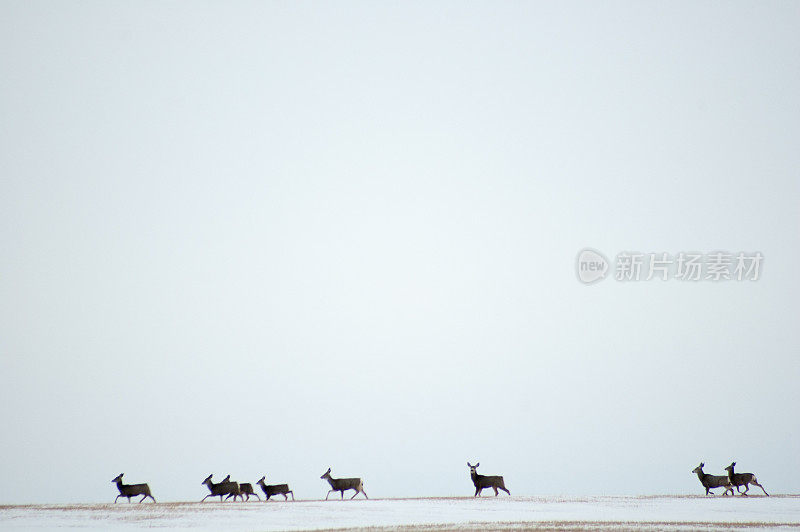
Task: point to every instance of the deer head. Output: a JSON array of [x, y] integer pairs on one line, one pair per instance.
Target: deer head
[[119, 478], [698, 469], [472, 468], [327, 474], [208, 479]]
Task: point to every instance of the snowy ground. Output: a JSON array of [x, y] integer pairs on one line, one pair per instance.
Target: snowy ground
[[510, 513]]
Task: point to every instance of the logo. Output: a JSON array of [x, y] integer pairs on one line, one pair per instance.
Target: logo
[[591, 266], [718, 266]]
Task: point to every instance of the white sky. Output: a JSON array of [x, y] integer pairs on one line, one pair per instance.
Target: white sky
[[269, 238]]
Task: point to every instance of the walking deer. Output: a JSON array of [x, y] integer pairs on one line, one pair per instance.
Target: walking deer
[[132, 490], [743, 479], [344, 484], [484, 481], [275, 489], [226, 487], [710, 482]]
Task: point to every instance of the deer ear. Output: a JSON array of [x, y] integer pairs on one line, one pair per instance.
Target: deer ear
[[702, 464], [476, 465]]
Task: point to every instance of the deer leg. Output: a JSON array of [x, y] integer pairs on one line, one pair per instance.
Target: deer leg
[[354, 495], [328, 495], [143, 498], [502, 488], [495, 490], [129, 499], [746, 489], [477, 492], [762, 488], [342, 492], [292, 494], [118, 496], [206, 497]]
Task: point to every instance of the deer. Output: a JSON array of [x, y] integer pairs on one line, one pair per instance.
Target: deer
[[245, 488], [743, 479], [132, 490], [276, 489], [226, 487], [484, 481], [344, 484], [713, 481]]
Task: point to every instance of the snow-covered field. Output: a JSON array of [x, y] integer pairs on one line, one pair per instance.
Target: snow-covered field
[[560, 513]]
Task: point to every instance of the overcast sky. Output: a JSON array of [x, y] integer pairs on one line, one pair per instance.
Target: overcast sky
[[271, 238]]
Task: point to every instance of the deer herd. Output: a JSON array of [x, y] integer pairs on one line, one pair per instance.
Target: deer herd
[[228, 488], [729, 481]]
